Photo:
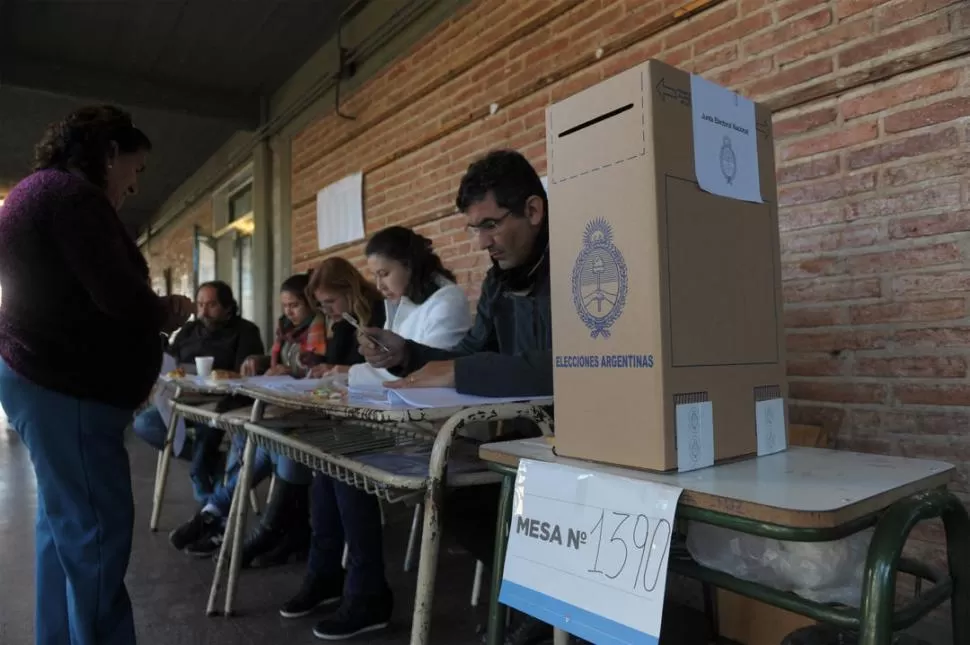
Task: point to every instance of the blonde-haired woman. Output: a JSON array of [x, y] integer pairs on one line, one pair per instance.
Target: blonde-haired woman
[[337, 287]]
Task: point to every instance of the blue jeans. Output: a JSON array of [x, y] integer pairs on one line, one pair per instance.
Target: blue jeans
[[340, 513], [264, 465], [85, 512], [203, 452]]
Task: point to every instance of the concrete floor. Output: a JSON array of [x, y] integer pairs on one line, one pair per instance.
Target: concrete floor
[[169, 590]]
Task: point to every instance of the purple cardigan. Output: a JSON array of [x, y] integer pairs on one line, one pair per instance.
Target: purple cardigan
[[78, 314]]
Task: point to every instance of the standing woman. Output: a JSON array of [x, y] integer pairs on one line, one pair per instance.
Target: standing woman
[[79, 351]]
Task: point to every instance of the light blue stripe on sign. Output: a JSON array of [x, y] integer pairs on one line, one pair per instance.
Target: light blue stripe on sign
[[576, 621]]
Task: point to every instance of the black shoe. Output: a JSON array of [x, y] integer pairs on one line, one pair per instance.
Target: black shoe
[[287, 510], [356, 616], [209, 544], [314, 593], [193, 530], [295, 546]]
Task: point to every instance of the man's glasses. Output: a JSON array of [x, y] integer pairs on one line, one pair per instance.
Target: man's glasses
[[487, 226]]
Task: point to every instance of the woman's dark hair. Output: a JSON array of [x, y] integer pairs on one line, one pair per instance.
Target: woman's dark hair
[[86, 139], [415, 252], [296, 285], [223, 295]]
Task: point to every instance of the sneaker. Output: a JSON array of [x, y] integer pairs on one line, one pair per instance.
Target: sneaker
[[193, 530], [360, 615], [313, 594], [207, 545]]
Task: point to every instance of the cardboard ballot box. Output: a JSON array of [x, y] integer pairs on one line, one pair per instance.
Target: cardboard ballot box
[[666, 287]]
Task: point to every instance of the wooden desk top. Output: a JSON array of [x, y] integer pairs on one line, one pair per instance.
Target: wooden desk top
[[801, 487]]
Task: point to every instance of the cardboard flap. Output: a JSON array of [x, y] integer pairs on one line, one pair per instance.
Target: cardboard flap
[[597, 128]]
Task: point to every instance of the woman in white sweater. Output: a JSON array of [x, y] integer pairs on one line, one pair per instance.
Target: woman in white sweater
[[423, 302], [425, 305]]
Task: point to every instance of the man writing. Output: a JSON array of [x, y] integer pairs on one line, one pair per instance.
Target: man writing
[[508, 351]]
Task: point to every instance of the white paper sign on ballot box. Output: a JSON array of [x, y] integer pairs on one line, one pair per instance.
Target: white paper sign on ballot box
[[588, 552]]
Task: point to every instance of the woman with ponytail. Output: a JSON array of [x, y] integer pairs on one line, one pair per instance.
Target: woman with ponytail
[[422, 300]]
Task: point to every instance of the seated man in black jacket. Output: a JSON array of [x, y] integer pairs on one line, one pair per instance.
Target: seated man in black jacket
[[508, 352], [217, 331]]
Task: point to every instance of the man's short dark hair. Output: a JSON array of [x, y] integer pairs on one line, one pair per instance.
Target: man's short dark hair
[[507, 175]]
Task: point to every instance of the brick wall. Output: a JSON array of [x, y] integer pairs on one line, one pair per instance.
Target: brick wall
[[174, 247], [871, 99]]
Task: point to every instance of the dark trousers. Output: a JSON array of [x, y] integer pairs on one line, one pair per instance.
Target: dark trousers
[[339, 514], [85, 512]]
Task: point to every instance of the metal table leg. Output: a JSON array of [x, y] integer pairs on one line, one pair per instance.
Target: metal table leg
[[496, 613], [161, 470], [885, 551]]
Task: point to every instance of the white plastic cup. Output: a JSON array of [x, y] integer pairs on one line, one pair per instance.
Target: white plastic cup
[[203, 366]]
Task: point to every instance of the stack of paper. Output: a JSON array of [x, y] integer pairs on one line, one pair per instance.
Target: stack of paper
[[428, 397]]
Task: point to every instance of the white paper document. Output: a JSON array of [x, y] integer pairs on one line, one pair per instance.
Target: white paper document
[[588, 552], [771, 427], [725, 141], [695, 435], [427, 397], [340, 212]]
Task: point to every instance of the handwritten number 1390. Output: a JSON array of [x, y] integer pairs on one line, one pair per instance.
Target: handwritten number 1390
[[651, 548]]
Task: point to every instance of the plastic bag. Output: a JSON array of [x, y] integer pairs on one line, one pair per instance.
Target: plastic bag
[[827, 572]]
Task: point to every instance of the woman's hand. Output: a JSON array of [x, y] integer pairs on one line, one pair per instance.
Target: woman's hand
[[278, 370], [319, 371]]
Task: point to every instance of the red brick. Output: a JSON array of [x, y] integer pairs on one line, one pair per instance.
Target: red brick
[[786, 10], [703, 23], [846, 8], [898, 93], [799, 317], [811, 268], [737, 75], [827, 366], [917, 284], [804, 122], [944, 197], [924, 311], [924, 225], [915, 394], [869, 445], [913, 146], [939, 112], [837, 341], [842, 138], [893, 42], [790, 77], [807, 170], [912, 423], [715, 59], [912, 366], [902, 259], [846, 237], [787, 32], [732, 33], [907, 10], [750, 6], [826, 190], [832, 290], [801, 217], [824, 42], [838, 392], [935, 337]]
